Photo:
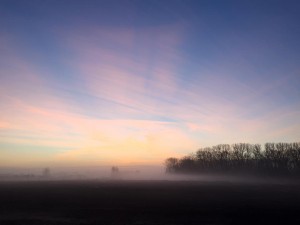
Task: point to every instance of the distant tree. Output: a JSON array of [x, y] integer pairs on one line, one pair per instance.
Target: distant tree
[[46, 172], [187, 164], [171, 165], [242, 158], [115, 173]]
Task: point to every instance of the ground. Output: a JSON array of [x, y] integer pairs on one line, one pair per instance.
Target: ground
[[148, 202]]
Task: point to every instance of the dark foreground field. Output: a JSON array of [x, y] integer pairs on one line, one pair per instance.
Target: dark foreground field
[[148, 202]]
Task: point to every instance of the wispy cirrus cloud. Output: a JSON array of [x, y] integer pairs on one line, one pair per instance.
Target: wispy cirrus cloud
[[134, 100]]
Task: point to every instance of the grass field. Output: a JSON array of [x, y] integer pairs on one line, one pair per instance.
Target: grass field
[[148, 202]]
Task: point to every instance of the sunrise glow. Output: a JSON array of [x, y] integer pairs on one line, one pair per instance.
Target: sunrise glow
[[127, 84]]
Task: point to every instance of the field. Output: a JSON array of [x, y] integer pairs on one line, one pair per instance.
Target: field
[[148, 202]]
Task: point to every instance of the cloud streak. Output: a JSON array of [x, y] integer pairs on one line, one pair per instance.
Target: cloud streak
[[137, 94]]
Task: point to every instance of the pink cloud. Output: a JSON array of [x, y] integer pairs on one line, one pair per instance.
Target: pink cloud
[[122, 77], [143, 77]]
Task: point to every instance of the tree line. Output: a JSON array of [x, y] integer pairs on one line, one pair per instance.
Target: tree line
[[242, 158]]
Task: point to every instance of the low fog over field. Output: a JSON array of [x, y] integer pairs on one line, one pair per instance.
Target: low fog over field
[[77, 173], [125, 173]]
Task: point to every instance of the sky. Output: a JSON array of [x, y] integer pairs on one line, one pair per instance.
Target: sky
[[135, 82]]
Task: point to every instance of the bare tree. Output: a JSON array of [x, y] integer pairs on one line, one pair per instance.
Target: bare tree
[[275, 159], [46, 173], [171, 165]]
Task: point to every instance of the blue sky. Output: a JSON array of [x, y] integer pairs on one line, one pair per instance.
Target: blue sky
[[134, 82]]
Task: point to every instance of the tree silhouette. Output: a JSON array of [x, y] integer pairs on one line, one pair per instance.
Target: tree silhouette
[[242, 158], [171, 165], [115, 173], [46, 172]]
